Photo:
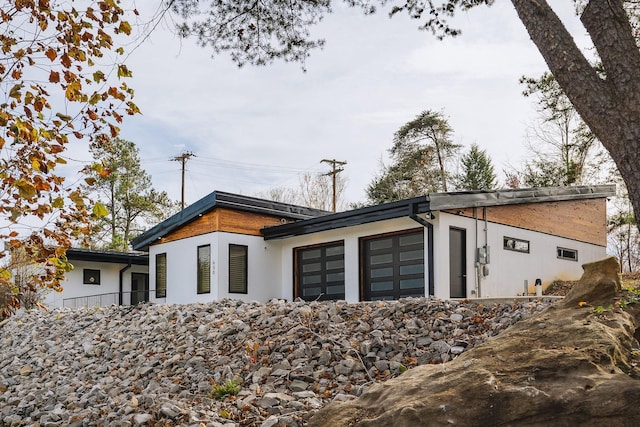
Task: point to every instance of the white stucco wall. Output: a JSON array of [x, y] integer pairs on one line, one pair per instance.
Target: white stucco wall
[[263, 276], [182, 270], [109, 284], [271, 268], [508, 269]]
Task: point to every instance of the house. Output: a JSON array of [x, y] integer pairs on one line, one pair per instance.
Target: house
[[449, 245], [101, 278]]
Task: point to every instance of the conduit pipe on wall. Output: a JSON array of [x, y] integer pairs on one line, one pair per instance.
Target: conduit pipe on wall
[[120, 280], [478, 275]]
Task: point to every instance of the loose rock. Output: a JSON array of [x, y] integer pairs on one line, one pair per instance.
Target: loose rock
[[157, 364]]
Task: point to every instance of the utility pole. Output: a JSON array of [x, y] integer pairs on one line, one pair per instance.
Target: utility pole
[[182, 158], [335, 170]]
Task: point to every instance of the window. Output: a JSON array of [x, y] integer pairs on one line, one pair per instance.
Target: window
[[238, 269], [204, 269], [393, 266], [517, 245], [161, 275], [568, 254], [90, 277], [320, 272]]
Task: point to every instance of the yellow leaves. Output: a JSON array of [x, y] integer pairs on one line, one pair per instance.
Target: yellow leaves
[[26, 190], [99, 211], [124, 27], [73, 92], [57, 203], [60, 262], [123, 71], [68, 43], [582, 304], [98, 76], [95, 98], [132, 108]]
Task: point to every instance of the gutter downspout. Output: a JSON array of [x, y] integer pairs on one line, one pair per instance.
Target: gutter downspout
[[478, 272], [121, 275], [414, 216]]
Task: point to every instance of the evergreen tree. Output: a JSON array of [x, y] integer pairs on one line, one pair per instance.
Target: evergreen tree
[[477, 171], [421, 150], [125, 189]]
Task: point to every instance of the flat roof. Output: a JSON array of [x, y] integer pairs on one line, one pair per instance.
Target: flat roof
[[437, 202], [114, 257]]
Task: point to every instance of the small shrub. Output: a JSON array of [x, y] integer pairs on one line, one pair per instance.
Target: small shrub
[[228, 388]]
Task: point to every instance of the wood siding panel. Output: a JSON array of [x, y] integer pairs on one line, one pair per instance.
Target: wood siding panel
[[582, 220], [245, 222], [223, 220]]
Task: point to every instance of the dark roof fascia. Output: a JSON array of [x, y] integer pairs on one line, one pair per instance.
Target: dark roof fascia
[[219, 199], [253, 204], [113, 257], [475, 199], [436, 202], [402, 208]]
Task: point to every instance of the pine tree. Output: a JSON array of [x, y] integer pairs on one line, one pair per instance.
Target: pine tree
[[127, 193], [477, 171]]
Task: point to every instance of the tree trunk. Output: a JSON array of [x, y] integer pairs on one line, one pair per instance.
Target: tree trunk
[[443, 173], [611, 106]]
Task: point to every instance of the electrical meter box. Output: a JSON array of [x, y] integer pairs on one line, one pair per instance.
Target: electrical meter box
[[482, 255]]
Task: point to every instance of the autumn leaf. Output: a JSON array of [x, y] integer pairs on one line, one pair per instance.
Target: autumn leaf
[[64, 117], [54, 77], [123, 71], [26, 189], [124, 27], [51, 54], [77, 199], [99, 210], [98, 76], [44, 67], [58, 202], [15, 91]]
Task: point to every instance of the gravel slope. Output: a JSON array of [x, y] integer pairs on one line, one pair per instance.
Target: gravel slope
[[157, 364]]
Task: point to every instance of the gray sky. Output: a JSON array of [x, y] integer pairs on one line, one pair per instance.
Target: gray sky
[[253, 129]]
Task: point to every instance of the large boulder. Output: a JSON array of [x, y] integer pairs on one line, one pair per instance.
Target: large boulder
[[573, 364]]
